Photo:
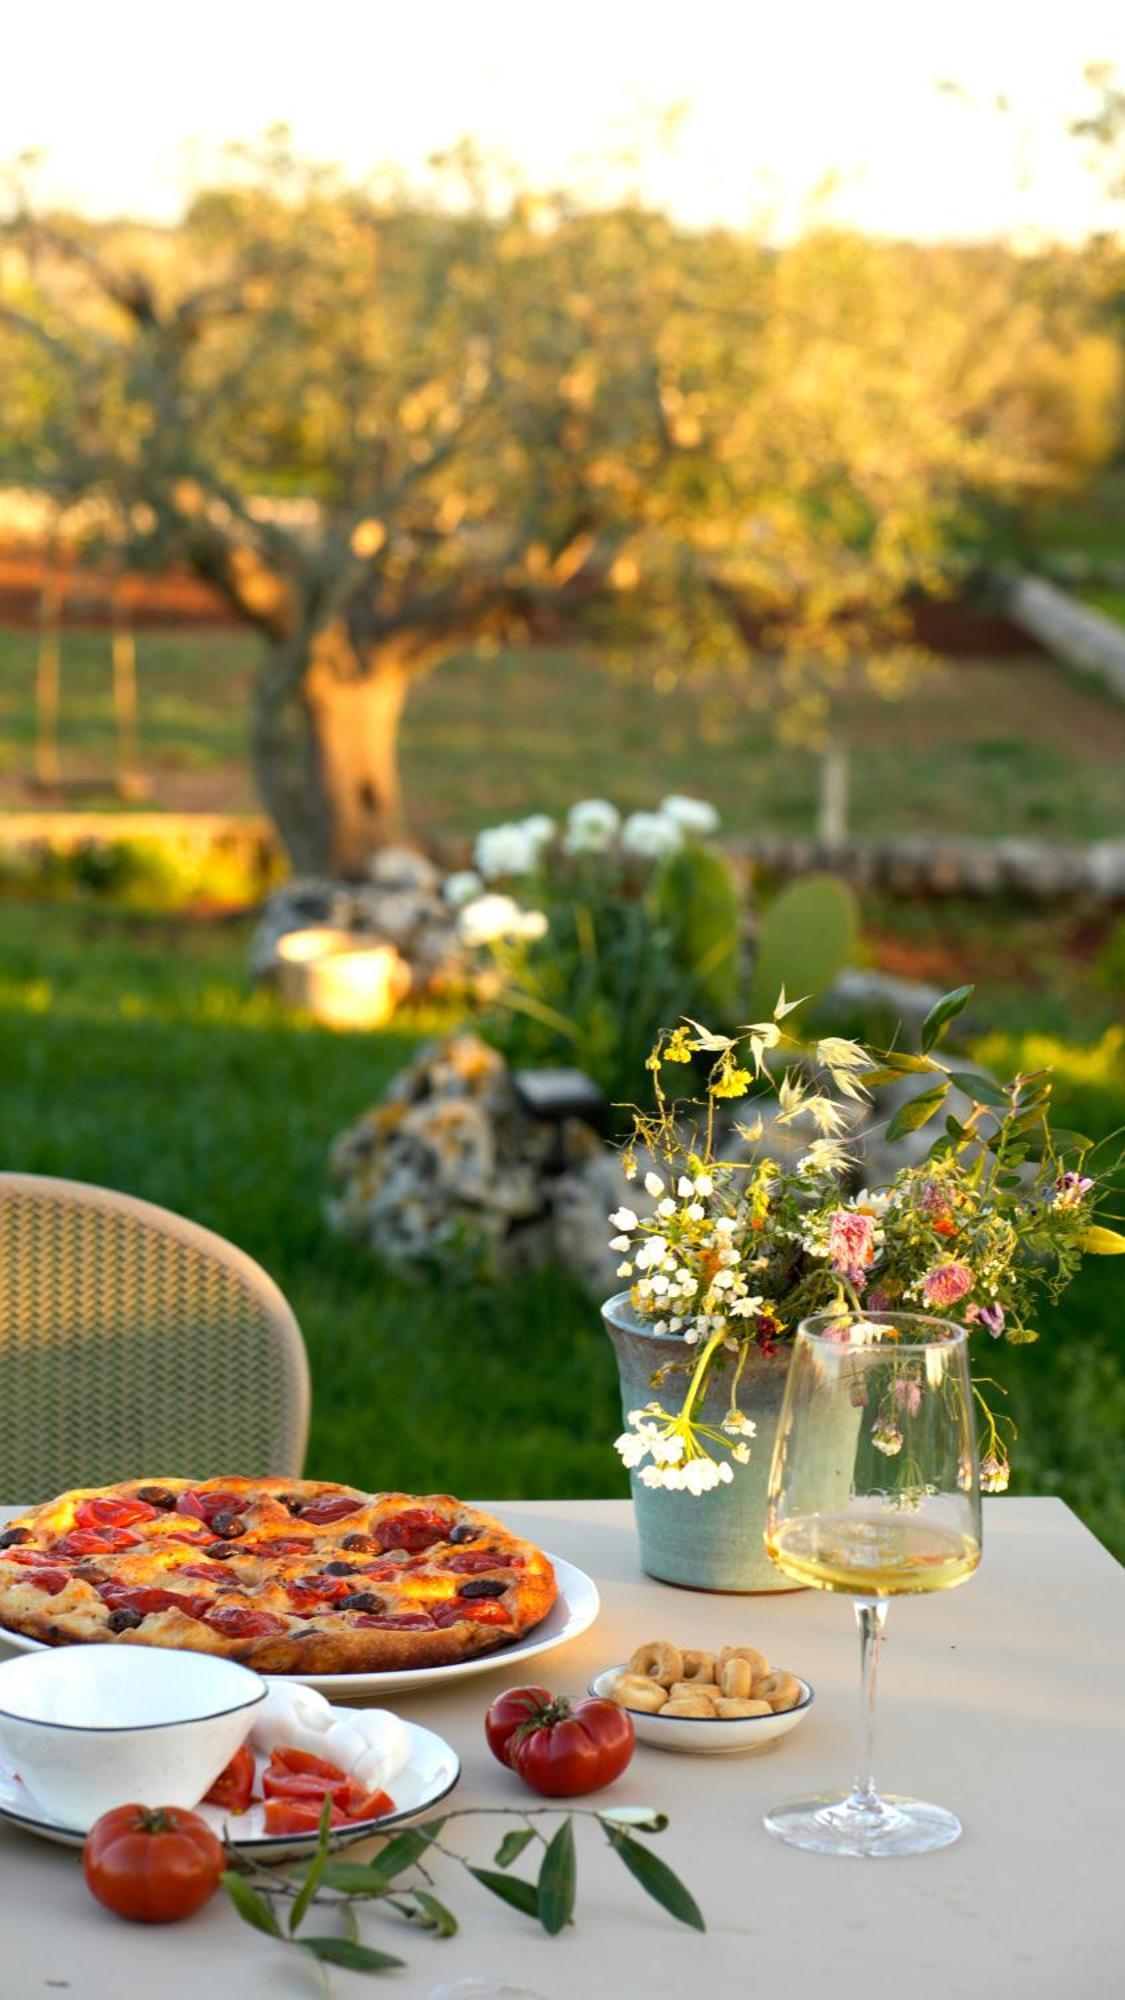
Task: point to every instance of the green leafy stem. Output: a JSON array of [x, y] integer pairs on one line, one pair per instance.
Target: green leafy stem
[[336, 1886]]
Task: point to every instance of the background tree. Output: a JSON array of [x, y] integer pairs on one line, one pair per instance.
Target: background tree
[[387, 430]]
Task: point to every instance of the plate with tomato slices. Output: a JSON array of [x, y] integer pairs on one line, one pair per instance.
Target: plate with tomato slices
[[271, 1805]]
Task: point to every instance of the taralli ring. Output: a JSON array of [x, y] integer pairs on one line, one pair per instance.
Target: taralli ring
[[687, 1690], [757, 1662], [698, 1666], [736, 1679], [690, 1704], [782, 1691], [639, 1691], [659, 1661], [731, 1709]]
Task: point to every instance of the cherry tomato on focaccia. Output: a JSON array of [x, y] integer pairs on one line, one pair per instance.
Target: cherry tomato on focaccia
[[234, 1786], [152, 1864], [559, 1749], [112, 1511]]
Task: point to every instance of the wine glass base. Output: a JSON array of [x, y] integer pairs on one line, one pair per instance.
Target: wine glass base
[[833, 1823]]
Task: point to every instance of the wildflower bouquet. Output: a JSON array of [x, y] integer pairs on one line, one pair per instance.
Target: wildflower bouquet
[[736, 1251], [599, 929]]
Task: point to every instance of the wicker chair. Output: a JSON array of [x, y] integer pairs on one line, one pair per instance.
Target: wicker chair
[[133, 1342]]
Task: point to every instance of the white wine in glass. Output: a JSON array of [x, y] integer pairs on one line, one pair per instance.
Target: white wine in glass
[[885, 1505]]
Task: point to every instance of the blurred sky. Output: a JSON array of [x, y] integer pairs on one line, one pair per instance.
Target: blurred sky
[[131, 100]]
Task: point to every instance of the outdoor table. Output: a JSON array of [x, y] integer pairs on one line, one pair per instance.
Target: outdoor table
[[1002, 1700]]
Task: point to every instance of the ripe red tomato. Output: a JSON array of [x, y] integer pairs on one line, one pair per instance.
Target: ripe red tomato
[[515, 1709], [234, 1786], [560, 1750], [152, 1864]]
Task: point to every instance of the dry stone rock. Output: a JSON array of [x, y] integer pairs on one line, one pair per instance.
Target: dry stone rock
[[450, 1164], [402, 905]]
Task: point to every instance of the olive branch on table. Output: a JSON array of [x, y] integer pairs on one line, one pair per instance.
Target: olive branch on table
[[336, 1885]]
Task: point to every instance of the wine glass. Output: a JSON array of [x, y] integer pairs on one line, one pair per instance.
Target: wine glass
[[874, 1490]]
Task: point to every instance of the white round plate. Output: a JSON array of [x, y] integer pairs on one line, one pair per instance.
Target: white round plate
[[707, 1735], [573, 1611], [431, 1772]]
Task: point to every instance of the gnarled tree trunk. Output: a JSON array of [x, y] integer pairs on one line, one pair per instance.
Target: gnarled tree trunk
[[327, 712]]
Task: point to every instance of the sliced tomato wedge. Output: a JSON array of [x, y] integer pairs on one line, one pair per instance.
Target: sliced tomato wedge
[[298, 1815], [234, 1786], [296, 1785], [302, 1764], [299, 1778], [369, 1805]]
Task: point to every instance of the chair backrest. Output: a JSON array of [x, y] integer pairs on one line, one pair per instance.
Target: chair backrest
[[134, 1343]]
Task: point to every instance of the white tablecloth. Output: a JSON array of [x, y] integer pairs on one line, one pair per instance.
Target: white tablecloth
[[1002, 1700]]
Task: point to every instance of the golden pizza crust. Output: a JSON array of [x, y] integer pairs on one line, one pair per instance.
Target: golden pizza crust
[[321, 1640]]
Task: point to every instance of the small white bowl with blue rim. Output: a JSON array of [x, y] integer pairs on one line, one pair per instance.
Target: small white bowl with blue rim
[[707, 1735], [92, 1727]]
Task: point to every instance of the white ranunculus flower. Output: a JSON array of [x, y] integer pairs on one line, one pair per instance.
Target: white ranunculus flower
[[694, 816], [653, 1184], [591, 826], [651, 836], [539, 827], [623, 1218], [462, 887], [532, 925], [490, 918], [508, 849]]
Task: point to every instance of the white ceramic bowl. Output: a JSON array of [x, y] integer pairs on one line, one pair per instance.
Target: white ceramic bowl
[[91, 1727], [707, 1735]]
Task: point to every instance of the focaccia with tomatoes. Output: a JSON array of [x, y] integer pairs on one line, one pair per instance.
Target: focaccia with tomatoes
[[285, 1575]]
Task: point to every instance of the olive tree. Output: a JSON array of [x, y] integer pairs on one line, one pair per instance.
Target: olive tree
[[387, 430]]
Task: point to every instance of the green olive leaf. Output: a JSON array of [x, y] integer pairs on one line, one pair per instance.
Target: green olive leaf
[[251, 1907], [557, 1883]]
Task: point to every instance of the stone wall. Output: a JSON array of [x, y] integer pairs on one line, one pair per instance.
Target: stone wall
[[1035, 871]]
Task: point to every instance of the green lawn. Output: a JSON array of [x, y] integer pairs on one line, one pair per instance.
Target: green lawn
[[979, 747], [133, 1053]]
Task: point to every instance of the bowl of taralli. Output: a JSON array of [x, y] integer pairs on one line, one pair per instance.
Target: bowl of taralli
[[712, 1704]]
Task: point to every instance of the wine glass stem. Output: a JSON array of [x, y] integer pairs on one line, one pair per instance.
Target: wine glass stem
[[871, 1617]]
